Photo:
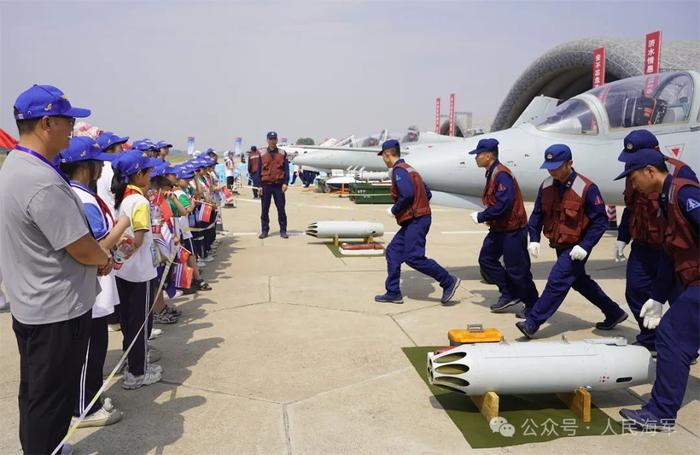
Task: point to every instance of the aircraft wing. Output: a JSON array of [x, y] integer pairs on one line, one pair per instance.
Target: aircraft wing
[[457, 201], [339, 149]]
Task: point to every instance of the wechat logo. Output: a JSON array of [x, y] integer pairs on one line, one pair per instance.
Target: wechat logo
[[501, 425]]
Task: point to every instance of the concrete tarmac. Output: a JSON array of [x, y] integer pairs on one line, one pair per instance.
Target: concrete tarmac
[[289, 354]]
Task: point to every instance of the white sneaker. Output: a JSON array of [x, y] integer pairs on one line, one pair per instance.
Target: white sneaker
[[101, 418], [155, 368], [155, 333], [132, 382], [201, 264], [208, 258]]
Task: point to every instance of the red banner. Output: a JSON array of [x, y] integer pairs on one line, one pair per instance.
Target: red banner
[[598, 67], [452, 114], [652, 51], [437, 115]]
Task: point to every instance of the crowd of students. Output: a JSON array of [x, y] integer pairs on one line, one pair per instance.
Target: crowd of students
[[143, 227]]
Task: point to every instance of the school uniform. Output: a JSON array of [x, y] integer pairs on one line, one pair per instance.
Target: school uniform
[[135, 279], [101, 221]]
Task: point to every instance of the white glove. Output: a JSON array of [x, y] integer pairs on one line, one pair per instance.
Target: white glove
[[620, 251], [577, 253], [475, 217], [651, 312], [389, 211], [534, 249]]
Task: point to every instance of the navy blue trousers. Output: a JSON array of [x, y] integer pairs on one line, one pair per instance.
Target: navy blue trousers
[[642, 276], [677, 343], [408, 246], [515, 280], [255, 182], [567, 274], [270, 192]]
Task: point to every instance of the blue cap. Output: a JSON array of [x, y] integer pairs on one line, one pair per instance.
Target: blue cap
[[485, 145], [198, 164], [555, 156], [163, 145], [129, 163], [41, 100], [83, 148], [637, 140], [184, 172], [390, 144], [158, 171], [272, 135], [108, 139], [144, 145], [640, 159], [161, 168]]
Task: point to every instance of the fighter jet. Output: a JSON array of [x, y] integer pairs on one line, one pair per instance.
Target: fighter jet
[[327, 158], [593, 124]]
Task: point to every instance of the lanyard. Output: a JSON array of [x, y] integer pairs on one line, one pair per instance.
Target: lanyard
[[41, 158], [106, 212]]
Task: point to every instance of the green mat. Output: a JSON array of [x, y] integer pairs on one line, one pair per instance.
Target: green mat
[[336, 252], [535, 418]]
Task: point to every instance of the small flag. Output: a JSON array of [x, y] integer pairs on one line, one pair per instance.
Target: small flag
[[228, 196], [183, 276], [204, 213], [182, 255]]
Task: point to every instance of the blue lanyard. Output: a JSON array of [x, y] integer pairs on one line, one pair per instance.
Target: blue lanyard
[[42, 158]]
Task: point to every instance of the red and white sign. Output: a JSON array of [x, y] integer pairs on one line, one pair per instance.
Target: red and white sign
[[437, 115], [675, 150], [652, 50], [452, 114], [598, 67]]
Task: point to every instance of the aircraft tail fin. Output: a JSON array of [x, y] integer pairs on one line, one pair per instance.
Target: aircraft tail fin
[[537, 108]]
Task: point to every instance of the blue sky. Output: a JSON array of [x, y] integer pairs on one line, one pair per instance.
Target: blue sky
[[217, 70]]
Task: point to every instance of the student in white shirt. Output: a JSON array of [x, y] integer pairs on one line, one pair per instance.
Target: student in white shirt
[[82, 163], [110, 143], [135, 278]]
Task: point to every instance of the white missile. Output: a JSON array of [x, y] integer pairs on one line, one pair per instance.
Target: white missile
[[541, 367], [345, 229]]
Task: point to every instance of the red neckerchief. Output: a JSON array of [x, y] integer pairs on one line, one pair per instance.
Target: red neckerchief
[[132, 190], [106, 211], [105, 208]]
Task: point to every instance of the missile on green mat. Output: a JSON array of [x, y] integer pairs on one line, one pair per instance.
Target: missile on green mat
[[541, 366]]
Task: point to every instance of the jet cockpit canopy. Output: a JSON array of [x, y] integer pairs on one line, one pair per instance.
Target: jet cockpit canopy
[[634, 102]]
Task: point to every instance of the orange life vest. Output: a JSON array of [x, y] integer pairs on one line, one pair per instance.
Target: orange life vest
[[516, 217], [253, 162], [272, 166], [680, 240], [420, 205], [646, 224], [565, 219]]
